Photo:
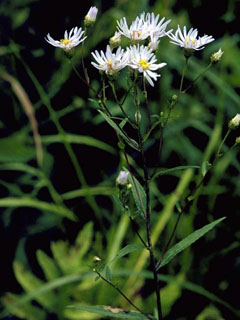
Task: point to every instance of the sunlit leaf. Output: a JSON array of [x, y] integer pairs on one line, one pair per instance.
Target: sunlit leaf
[[113, 312], [180, 246]]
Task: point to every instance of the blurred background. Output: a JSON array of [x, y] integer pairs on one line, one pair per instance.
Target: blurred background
[[54, 221]]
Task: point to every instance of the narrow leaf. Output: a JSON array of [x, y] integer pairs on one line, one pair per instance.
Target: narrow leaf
[[205, 167], [126, 250], [108, 311], [180, 246], [151, 129], [90, 191], [108, 274], [34, 203], [161, 172], [139, 194], [79, 139], [132, 143]]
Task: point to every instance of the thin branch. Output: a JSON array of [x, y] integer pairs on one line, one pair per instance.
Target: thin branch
[[122, 294]]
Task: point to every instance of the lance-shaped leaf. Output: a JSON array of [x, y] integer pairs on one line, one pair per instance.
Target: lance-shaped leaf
[[128, 249], [131, 142], [186, 242], [162, 172], [139, 194], [108, 311]]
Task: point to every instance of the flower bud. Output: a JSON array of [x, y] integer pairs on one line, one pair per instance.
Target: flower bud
[[90, 18], [122, 178], [115, 41], [154, 42], [96, 259], [138, 116], [217, 56], [235, 122], [237, 141]]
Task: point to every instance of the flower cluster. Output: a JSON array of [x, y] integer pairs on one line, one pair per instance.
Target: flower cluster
[[143, 27], [147, 29], [137, 57]]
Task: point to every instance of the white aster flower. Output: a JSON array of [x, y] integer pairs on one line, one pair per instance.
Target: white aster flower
[[154, 27], [90, 18], [122, 178], [70, 40], [189, 40], [137, 30], [110, 62], [143, 59]]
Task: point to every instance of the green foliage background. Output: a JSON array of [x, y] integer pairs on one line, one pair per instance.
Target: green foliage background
[[54, 220]]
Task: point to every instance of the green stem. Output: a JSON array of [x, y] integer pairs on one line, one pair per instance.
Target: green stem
[[220, 147], [122, 294], [183, 75], [147, 104], [197, 78], [118, 102]]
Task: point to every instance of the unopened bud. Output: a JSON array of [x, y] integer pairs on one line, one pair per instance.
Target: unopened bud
[[129, 186], [174, 97], [138, 116], [154, 42], [90, 18], [235, 122], [96, 259], [115, 41], [217, 56], [237, 141]]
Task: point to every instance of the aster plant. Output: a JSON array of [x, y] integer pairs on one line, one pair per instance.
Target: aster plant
[[141, 67]]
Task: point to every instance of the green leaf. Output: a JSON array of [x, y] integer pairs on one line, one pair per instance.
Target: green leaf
[[78, 139], [205, 167], [34, 203], [14, 149], [29, 282], [91, 191], [48, 265], [26, 311], [128, 249], [180, 246], [84, 241], [132, 143], [139, 194], [108, 274], [151, 129], [112, 312], [119, 204], [45, 288], [161, 172], [20, 17]]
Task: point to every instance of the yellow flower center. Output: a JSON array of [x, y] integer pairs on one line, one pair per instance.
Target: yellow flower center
[[136, 32], [192, 40], [65, 41], [109, 64], [144, 64]]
